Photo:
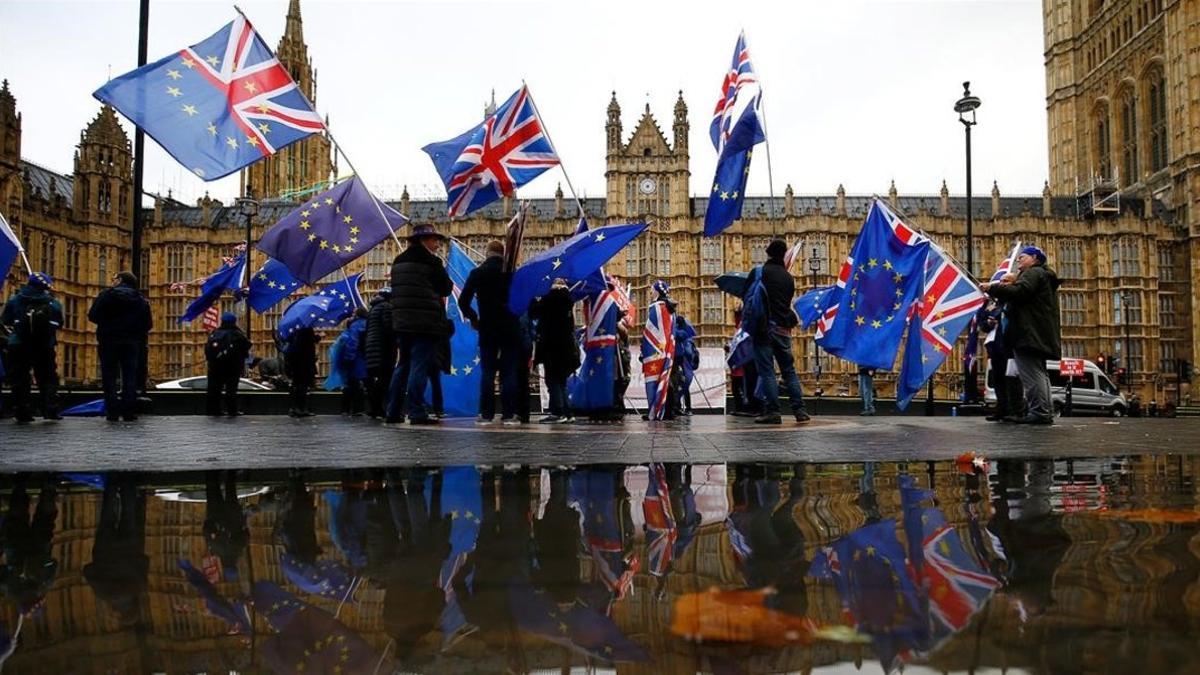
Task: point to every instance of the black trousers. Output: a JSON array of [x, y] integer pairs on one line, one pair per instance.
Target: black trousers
[[119, 362], [26, 363], [352, 396], [222, 388]]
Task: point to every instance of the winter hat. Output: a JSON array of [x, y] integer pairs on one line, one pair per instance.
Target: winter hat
[[1035, 252], [41, 280], [228, 317], [661, 287], [776, 248]]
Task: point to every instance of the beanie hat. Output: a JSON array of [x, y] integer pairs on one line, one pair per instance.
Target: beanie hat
[[1035, 252], [776, 248], [228, 317], [41, 280]]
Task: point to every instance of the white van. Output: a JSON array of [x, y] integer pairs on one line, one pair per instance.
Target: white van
[[1091, 393]]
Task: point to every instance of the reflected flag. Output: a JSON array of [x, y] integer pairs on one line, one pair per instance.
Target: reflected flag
[[228, 277], [270, 284], [234, 613], [309, 639], [330, 230], [661, 529], [577, 627], [735, 130], [460, 387], [658, 355], [326, 578], [218, 105], [949, 302], [594, 493], [463, 504]]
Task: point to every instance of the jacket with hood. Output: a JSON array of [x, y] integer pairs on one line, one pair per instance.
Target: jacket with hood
[[1032, 311], [18, 306], [381, 339], [121, 314], [419, 286]]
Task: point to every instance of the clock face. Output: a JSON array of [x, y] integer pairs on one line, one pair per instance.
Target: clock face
[[647, 186]]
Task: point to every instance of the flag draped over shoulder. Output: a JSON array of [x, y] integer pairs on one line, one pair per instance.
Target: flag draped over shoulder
[[460, 388], [228, 277], [658, 355], [948, 303], [592, 387], [218, 105], [10, 247], [330, 230], [735, 130], [493, 159], [885, 278], [270, 284], [327, 307]]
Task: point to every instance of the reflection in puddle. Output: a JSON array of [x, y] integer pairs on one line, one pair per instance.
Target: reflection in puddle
[[1086, 565]]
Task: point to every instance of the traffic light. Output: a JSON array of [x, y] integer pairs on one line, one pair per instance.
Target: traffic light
[[1121, 376], [1102, 363]]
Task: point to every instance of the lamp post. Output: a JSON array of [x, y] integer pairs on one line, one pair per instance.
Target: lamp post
[[1125, 357], [814, 266], [248, 207], [966, 107]]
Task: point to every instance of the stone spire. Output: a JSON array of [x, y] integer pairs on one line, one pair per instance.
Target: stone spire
[[612, 126], [404, 201], [840, 204], [489, 109], [681, 124], [10, 130], [995, 199], [293, 52], [893, 196], [789, 201], [945, 195], [1046, 200], [558, 201]]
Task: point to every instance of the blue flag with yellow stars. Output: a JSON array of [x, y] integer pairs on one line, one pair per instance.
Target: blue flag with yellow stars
[[328, 307], [573, 260], [460, 387], [218, 105], [886, 277], [229, 277], [270, 284], [808, 306], [328, 231]]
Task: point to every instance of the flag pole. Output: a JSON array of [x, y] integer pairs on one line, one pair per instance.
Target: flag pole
[[561, 165], [762, 109]]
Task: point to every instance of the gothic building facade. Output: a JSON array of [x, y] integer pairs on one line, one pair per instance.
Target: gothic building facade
[[1127, 254]]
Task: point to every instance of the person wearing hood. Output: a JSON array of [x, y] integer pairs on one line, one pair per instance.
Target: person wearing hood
[[226, 351], [32, 317], [380, 351], [1033, 331], [122, 318]]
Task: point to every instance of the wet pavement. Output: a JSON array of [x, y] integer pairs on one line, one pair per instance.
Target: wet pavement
[[161, 443], [1086, 564]]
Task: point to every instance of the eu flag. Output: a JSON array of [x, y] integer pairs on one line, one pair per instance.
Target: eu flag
[[10, 246], [330, 230], [592, 284], [593, 385], [887, 277], [573, 260], [808, 306], [735, 130], [228, 277], [327, 307], [460, 388], [270, 284], [949, 302], [218, 105]]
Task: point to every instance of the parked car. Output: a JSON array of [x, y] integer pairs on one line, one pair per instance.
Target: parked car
[[1092, 392], [200, 383]]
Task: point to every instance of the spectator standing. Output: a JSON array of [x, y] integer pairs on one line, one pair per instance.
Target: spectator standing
[[225, 351], [33, 317], [122, 317]]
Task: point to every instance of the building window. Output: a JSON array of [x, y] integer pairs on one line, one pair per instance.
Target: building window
[[664, 258], [1157, 95], [1135, 361], [530, 248], [173, 362], [1167, 361], [1166, 263], [71, 318], [1073, 349], [379, 262], [1070, 259], [180, 264], [73, 263], [710, 257], [1129, 148], [104, 198], [1126, 259], [1103, 144], [1127, 302], [758, 250], [1166, 310], [631, 259], [71, 362], [102, 267], [477, 248], [1071, 306], [712, 306], [175, 309], [960, 250], [48, 256]]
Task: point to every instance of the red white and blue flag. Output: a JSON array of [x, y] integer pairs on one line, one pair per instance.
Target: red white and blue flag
[[1007, 264], [661, 530], [218, 105], [732, 103], [492, 160], [592, 388], [949, 302], [658, 355]]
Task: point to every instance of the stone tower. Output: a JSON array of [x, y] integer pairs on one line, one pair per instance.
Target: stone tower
[[10, 149], [305, 164], [647, 177], [103, 193]]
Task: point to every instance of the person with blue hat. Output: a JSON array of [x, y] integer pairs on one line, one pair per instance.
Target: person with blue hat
[[1033, 330], [32, 318], [225, 350], [123, 320]]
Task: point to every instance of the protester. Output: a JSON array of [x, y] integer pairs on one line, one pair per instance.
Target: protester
[[1031, 297], [225, 350], [122, 317], [625, 362], [683, 368], [866, 390], [1010, 400], [440, 366], [420, 285], [524, 364], [380, 352], [348, 361], [300, 358], [556, 349], [29, 566], [32, 317], [499, 340], [772, 336]]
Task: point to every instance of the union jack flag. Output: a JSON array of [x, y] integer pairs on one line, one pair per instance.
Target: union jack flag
[[1007, 264], [949, 302], [727, 112], [658, 355], [218, 105], [495, 158], [825, 322], [661, 530]]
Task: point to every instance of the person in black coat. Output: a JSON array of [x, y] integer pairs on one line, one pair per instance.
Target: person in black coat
[[774, 345], [556, 349], [300, 355], [499, 342], [381, 351], [119, 570], [123, 320], [420, 286], [225, 351]]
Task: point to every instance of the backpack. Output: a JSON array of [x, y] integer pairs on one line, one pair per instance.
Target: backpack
[[754, 309], [37, 326], [221, 348]]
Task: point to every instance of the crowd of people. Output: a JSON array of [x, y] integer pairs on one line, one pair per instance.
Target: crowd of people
[[389, 359]]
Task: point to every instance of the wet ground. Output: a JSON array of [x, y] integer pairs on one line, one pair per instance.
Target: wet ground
[[1009, 563]]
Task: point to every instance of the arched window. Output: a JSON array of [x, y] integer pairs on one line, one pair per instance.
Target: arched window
[[664, 258], [102, 267], [1103, 143], [104, 203], [1129, 146], [1156, 94]]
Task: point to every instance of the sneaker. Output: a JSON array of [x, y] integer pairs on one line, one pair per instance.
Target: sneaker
[[485, 421], [768, 419], [802, 417], [438, 415], [423, 421], [510, 422], [550, 419], [569, 419]]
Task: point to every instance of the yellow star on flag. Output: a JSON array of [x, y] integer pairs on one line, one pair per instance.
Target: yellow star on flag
[[173, 74], [600, 237], [942, 331], [337, 249], [212, 128], [716, 188], [213, 61], [270, 284], [189, 109], [264, 127], [859, 320], [250, 87], [353, 240], [899, 293], [453, 371], [876, 324], [347, 248], [264, 108], [324, 244], [872, 264], [897, 278], [347, 218], [887, 264], [231, 141], [557, 263], [252, 141], [174, 91], [724, 196], [315, 205], [735, 194], [304, 213], [312, 237], [262, 277], [328, 201], [354, 230], [467, 370], [188, 63], [304, 225]]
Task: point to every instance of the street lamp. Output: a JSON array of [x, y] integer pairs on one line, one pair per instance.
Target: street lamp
[[1125, 358], [248, 208], [814, 266], [966, 107]]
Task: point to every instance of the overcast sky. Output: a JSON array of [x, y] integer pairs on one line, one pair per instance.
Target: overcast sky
[[856, 92]]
